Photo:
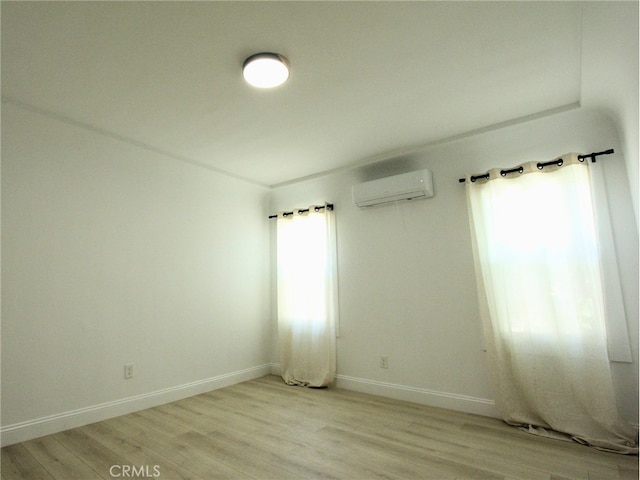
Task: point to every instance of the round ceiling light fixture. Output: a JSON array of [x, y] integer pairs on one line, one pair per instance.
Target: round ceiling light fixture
[[266, 70]]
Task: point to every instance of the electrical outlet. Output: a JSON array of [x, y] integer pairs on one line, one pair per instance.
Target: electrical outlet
[[128, 371], [384, 362]]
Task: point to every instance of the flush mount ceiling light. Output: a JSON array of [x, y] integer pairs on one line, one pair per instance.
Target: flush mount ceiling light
[[266, 70]]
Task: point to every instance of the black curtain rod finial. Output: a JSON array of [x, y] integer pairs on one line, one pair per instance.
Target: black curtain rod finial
[[593, 155]]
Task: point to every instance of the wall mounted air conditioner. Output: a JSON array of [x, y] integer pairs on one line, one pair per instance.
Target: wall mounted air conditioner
[[406, 186]]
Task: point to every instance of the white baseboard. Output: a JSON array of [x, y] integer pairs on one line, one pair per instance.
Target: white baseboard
[[451, 401], [423, 396], [433, 398], [23, 431], [275, 368]]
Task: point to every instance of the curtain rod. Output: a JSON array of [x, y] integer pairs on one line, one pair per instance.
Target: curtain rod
[[540, 166], [328, 206]]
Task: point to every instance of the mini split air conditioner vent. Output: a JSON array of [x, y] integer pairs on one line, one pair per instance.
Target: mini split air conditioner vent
[[407, 186]]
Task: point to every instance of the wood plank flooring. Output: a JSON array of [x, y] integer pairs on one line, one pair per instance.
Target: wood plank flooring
[[263, 429]]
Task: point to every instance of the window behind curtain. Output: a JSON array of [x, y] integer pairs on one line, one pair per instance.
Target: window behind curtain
[[307, 286], [542, 301]]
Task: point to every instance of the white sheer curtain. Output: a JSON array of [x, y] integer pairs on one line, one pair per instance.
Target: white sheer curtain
[[307, 299], [540, 290]]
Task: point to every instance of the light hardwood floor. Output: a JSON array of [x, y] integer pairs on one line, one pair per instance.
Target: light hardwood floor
[[263, 429]]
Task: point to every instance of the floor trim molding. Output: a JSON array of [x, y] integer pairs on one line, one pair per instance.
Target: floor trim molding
[[424, 396], [30, 429]]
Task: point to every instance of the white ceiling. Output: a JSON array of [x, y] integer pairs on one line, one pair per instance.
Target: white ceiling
[[368, 78]]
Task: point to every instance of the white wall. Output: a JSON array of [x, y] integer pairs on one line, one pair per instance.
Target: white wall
[[112, 254], [610, 74], [406, 275]]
